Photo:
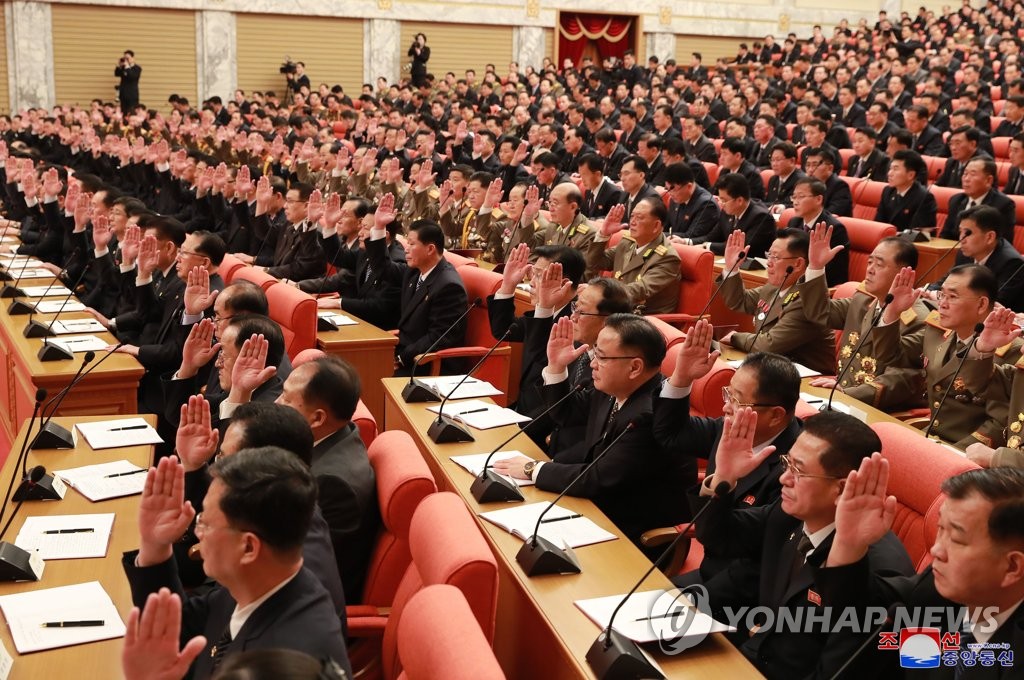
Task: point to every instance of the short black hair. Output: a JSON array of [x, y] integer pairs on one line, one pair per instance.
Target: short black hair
[[614, 296], [911, 160], [250, 325], [639, 164], [658, 209], [985, 218], [245, 297], [167, 229], [734, 184], [639, 335], [335, 386], [429, 233], [210, 245], [778, 381], [980, 280], [798, 241], [265, 423], [571, 259], [1003, 487], [592, 162], [679, 174], [735, 145], [906, 253], [849, 441], [269, 492]]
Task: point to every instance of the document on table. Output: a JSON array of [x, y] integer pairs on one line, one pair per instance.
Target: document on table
[[480, 414], [105, 480], [57, 290], [20, 262], [54, 306], [113, 434], [561, 526], [29, 272], [474, 464], [80, 343], [83, 603], [471, 389], [337, 319], [652, 615], [76, 326], [65, 537]]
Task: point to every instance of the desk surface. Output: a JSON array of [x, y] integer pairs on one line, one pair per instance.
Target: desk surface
[[608, 568], [97, 659], [370, 350]]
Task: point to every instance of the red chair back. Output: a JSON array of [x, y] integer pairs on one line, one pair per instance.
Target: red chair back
[[696, 269], [1001, 147], [936, 166], [257, 276], [366, 424], [867, 199], [864, 236], [457, 260], [228, 266], [942, 196], [295, 312]]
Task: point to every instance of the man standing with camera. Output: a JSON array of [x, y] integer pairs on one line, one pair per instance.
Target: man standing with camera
[[420, 54], [128, 89]]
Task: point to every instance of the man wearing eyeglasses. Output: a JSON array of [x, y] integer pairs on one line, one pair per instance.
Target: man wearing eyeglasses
[[973, 411], [635, 484], [780, 321], [789, 538], [767, 383]]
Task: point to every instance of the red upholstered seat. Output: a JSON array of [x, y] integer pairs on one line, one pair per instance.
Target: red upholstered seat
[[696, 270], [257, 276], [228, 266], [295, 312], [867, 199], [942, 196], [864, 236]]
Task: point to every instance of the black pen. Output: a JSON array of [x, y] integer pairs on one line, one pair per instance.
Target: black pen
[[125, 474], [70, 531], [73, 624], [129, 427], [475, 410], [660, 616], [559, 519]]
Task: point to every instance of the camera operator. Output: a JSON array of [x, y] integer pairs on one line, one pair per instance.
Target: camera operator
[[128, 89], [297, 77], [420, 54]]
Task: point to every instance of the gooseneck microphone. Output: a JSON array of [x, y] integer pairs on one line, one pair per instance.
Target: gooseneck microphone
[[967, 232], [845, 369], [416, 391], [962, 355], [775, 298], [718, 289]]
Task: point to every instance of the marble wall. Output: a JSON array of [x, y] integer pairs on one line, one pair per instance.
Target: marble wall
[[29, 54], [381, 49], [216, 71]]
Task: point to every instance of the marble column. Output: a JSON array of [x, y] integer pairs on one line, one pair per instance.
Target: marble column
[[661, 44], [892, 8], [216, 54], [29, 54], [528, 46], [382, 53]]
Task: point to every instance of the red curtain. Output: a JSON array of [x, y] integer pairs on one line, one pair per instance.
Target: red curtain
[[609, 36]]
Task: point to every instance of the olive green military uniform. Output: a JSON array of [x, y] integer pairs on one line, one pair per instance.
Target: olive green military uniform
[[651, 275]]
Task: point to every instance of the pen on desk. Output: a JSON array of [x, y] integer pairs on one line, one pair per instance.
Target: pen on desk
[[813, 401], [88, 530], [660, 616], [73, 624], [125, 474], [559, 519], [129, 427], [472, 410]]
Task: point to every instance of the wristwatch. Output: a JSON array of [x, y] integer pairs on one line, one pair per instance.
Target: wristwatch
[[529, 468]]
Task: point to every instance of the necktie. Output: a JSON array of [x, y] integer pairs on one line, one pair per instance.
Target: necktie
[[611, 417], [577, 372], [366, 275], [220, 648], [419, 282], [971, 203], [913, 143], [803, 547], [966, 638]]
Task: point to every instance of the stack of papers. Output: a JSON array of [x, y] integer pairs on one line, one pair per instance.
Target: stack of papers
[[337, 319], [80, 343], [54, 306], [444, 386], [652, 616], [480, 414], [474, 464], [56, 290], [105, 480], [76, 326], [560, 526], [65, 537], [86, 604], [112, 434]]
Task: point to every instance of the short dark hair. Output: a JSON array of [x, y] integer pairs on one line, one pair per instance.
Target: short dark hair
[[906, 253], [735, 145], [269, 492], [335, 386], [305, 190], [658, 209], [268, 424], [250, 325], [429, 233], [985, 217], [788, 149], [167, 229], [246, 297], [849, 441], [814, 186], [980, 280], [1003, 487], [911, 160], [592, 162], [640, 335], [278, 664], [614, 296], [778, 381], [988, 166], [798, 241], [210, 245], [678, 174], [571, 259], [734, 184], [639, 164]]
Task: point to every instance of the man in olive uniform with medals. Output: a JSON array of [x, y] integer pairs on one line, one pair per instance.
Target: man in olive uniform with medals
[[780, 321], [502, 226], [567, 226], [973, 411], [643, 259], [873, 378]]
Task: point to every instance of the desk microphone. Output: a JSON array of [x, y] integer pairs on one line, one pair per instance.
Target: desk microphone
[[13, 290], [775, 298], [17, 564], [323, 324], [51, 435], [539, 555], [874, 322], [19, 307], [916, 235], [967, 232], [35, 329], [489, 486], [444, 429], [4, 274], [255, 260], [890, 615], [962, 355], [718, 289], [615, 656], [416, 391]]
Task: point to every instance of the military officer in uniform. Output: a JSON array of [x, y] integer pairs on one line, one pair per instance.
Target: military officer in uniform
[[778, 308], [502, 226], [567, 226], [644, 259], [873, 378], [973, 411]]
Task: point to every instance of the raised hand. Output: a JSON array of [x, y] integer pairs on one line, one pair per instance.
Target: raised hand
[[864, 513], [368, 162], [243, 182], [220, 178], [1000, 329], [695, 358], [516, 266], [735, 457], [149, 257], [532, 207], [198, 296], [385, 214], [332, 211], [552, 287], [307, 151], [199, 349], [426, 176], [151, 641], [101, 232], [561, 350], [51, 183], [447, 192], [164, 514], [904, 295], [521, 153], [71, 197], [131, 244], [342, 160], [613, 221], [820, 252], [250, 369], [735, 244], [196, 440], [315, 207], [461, 132], [494, 193], [264, 192], [30, 184], [83, 212]]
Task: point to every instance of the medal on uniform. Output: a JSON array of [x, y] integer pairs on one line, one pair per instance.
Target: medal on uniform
[[1015, 426], [1013, 442], [760, 316]]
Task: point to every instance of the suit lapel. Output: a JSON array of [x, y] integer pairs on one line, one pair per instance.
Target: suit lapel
[[417, 296]]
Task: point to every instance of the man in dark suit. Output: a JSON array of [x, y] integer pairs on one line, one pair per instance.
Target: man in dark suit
[[906, 204], [631, 132], [850, 114], [822, 167], [617, 414], [765, 141], [575, 148], [696, 143], [600, 193], [785, 175], [291, 609], [692, 211], [739, 212], [790, 537], [769, 380], [614, 153], [963, 147], [878, 121], [981, 243], [325, 392], [297, 252], [1013, 111], [128, 89], [868, 161], [634, 184], [927, 140], [980, 536], [808, 203], [432, 296], [733, 159], [1015, 180], [979, 184]]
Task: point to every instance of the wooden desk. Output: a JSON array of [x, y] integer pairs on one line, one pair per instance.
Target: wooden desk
[[111, 389], [371, 351], [939, 250], [96, 659], [538, 625]]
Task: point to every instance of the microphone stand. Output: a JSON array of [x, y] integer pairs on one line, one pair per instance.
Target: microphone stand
[[4, 274], [853, 354], [14, 290], [962, 355], [775, 298], [51, 435], [967, 232], [17, 564], [323, 324], [416, 391], [718, 289]]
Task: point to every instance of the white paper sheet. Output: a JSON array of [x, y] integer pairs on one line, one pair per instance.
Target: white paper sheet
[[650, 616], [54, 306], [26, 612], [105, 480], [473, 388], [338, 319], [80, 343], [112, 434], [72, 543], [76, 326], [474, 464], [560, 525], [56, 290], [480, 414]]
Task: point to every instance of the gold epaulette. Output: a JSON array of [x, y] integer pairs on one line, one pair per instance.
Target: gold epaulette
[[1001, 352], [933, 320], [625, 237], [583, 228], [661, 250], [909, 316], [434, 193], [497, 213]]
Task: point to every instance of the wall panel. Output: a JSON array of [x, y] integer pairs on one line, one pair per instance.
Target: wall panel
[[456, 47]]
